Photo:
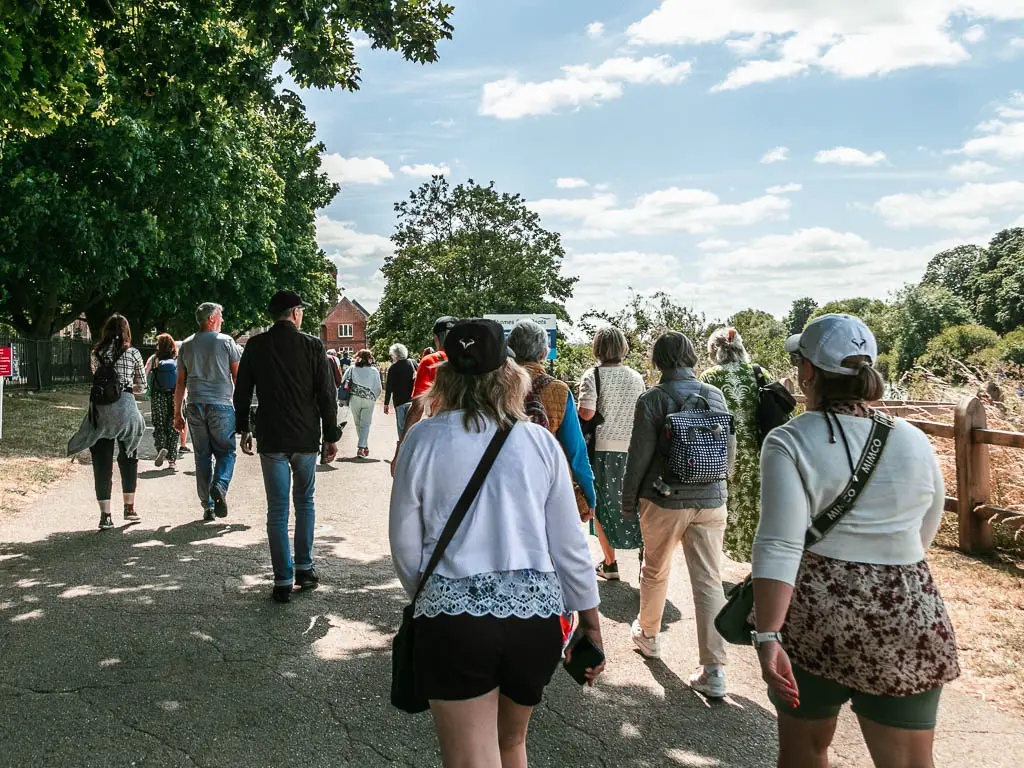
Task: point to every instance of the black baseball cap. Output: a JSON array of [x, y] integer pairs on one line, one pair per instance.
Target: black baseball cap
[[443, 325], [475, 347], [282, 301]]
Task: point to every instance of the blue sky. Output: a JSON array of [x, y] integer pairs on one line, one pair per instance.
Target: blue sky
[[736, 153]]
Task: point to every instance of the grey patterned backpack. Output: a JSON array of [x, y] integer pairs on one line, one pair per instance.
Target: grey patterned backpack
[[697, 441]]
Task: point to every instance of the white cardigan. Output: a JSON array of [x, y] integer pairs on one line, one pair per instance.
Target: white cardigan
[[893, 522], [525, 516]]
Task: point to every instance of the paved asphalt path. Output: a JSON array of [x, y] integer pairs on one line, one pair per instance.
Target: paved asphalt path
[[158, 645]]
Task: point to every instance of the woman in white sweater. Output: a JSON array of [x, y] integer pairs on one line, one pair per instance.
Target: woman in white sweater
[[856, 617], [488, 636], [364, 387]]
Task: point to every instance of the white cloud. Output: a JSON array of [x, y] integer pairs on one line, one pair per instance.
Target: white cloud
[[449, 123], [974, 34], [777, 155], [1017, 42], [782, 189], [713, 244], [664, 211], [355, 170], [849, 156], [426, 170], [848, 39], [361, 40], [748, 46], [595, 30], [348, 247], [602, 187], [571, 183], [972, 169], [1002, 137], [966, 209], [579, 85]]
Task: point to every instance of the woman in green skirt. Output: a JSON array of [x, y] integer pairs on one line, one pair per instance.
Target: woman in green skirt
[[612, 390], [735, 376]]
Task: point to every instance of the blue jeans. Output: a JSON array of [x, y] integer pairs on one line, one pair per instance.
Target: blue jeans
[[279, 469], [401, 414], [213, 438]]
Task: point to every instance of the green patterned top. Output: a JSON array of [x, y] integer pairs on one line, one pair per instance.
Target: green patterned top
[[739, 384]]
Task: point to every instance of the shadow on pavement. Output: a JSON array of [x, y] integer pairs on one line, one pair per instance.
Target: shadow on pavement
[[142, 647]]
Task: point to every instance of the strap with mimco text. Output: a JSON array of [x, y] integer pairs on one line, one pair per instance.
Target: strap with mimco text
[[881, 427]]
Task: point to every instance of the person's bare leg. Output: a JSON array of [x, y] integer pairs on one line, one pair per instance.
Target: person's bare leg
[[804, 743], [897, 747], [609, 551], [468, 731], [513, 722]]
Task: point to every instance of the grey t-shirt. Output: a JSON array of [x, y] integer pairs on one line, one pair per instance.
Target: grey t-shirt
[[207, 357]]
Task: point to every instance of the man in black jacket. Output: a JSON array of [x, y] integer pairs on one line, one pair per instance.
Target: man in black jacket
[[288, 370]]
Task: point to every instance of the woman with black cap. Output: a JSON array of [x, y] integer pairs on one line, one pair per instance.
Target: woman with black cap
[[488, 632], [846, 609]]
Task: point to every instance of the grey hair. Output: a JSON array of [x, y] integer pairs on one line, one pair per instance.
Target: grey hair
[[528, 341], [610, 345], [206, 310], [726, 346], [400, 351]]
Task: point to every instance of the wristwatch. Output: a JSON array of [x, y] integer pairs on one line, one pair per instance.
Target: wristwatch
[[763, 638]]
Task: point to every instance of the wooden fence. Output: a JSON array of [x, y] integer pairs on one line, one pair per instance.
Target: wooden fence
[[971, 438]]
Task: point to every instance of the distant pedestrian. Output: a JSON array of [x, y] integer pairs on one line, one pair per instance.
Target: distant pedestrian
[[401, 376], [162, 374], [736, 377], [529, 342], [672, 512], [118, 378], [427, 369], [207, 368], [487, 623], [288, 371], [364, 388], [345, 361], [611, 390], [848, 611]]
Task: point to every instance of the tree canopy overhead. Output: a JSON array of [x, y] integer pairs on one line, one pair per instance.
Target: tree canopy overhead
[[466, 251]]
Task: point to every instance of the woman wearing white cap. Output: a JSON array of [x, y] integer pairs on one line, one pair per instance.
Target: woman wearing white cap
[[846, 609]]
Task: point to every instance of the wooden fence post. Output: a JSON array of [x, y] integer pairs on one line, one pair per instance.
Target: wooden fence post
[[973, 481]]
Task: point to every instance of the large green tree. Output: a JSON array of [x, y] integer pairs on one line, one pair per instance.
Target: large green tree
[[799, 314], [466, 251], [997, 282], [952, 269], [764, 336], [919, 314]]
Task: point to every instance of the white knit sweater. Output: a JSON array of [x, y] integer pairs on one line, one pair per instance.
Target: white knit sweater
[[525, 517]]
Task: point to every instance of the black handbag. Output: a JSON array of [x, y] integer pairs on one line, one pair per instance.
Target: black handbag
[[589, 427], [403, 687], [733, 621]]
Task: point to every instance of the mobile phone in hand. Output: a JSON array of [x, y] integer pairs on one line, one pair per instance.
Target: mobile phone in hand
[[585, 655]]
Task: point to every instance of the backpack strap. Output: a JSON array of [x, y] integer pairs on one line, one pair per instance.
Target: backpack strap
[[703, 393]]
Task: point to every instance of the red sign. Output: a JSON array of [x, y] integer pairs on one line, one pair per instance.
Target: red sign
[[5, 362]]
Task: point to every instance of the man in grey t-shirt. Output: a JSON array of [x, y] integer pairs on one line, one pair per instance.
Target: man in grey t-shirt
[[207, 368]]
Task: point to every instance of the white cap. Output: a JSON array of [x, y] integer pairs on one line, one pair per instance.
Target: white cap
[[830, 339]]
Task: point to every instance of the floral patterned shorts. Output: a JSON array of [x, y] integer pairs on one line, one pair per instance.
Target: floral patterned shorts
[[878, 629]]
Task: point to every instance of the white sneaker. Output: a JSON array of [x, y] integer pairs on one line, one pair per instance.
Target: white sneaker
[[710, 682], [648, 646], [160, 457]]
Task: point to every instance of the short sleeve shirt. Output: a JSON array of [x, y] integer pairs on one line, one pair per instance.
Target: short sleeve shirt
[[621, 387], [427, 372], [207, 357]]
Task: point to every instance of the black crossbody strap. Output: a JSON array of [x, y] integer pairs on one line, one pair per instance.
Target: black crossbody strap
[[597, 387], [881, 428], [465, 502]]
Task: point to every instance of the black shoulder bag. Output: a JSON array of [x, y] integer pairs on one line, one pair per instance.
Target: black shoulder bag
[[775, 405], [403, 688], [589, 427], [733, 621]]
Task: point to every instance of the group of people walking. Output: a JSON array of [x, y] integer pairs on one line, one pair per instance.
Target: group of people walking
[[843, 612], [834, 510]]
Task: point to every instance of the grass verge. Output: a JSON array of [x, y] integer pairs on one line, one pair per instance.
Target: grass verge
[[36, 432]]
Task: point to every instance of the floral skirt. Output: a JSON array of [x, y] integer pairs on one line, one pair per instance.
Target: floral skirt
[[879, 629], [609, 472]]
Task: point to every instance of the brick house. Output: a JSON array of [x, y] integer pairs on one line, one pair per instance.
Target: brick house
[[345, 327]]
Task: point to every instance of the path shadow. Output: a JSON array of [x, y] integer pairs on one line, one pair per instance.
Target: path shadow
[[149, 474], [620, 602], [163, 648]]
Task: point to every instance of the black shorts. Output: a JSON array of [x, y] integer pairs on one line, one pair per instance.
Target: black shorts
[[462, 657]]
